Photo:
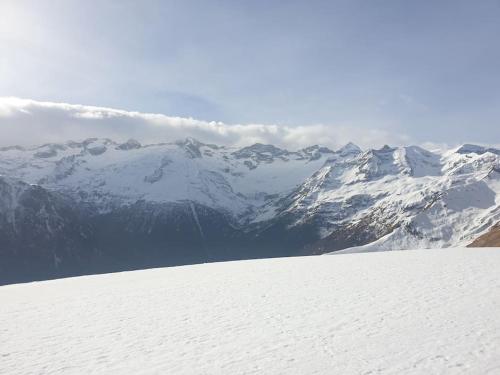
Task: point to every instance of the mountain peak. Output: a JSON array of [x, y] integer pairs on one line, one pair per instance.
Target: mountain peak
[[129, 145], [260, 150], [349, 149], [191, 146], [386, 148], [189, 141], [468, 148], [319, 148]]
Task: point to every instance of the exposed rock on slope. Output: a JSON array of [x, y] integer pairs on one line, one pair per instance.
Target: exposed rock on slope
[[41, 233], [126, 205], [489, 239]]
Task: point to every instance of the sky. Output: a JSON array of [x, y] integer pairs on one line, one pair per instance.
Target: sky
[[372, 72]]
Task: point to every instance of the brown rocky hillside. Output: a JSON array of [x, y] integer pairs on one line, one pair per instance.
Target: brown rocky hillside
[[491, 238]]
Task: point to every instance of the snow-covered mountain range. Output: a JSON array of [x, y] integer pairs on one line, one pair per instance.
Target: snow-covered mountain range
[[100, 205]]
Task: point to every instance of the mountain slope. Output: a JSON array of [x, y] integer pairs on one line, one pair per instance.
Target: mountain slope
[[413, 312], [489, 239], [189, 202], [40, 231]]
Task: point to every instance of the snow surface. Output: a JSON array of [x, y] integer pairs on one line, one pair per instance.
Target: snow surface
[[412, 312]]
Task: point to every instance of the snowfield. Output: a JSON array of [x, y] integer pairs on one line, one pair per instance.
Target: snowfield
[[411, 312]]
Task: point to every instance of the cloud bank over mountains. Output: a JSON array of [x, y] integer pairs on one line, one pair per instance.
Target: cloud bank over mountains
[[28, 122]]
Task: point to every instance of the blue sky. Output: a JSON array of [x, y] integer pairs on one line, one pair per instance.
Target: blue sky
[[425, 71]]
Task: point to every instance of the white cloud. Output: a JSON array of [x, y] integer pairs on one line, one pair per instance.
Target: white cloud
[[28, 122]]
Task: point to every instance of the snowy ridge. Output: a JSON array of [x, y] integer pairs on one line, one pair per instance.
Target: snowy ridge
[[100, 169]]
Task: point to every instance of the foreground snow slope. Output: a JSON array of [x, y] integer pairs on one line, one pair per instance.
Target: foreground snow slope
[[420, 312]]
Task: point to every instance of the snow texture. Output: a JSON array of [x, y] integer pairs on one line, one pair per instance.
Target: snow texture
[[412, 312]]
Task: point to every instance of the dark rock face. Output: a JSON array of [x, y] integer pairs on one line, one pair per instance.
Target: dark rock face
[[46, 153], [192, 147], [475, 149], [260, 153], [45, 235], [41, 234], [354, 234], [131, 144], [158, 172], [97, 150]]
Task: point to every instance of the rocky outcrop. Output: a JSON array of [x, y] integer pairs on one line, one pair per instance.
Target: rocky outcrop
[[489, 239]]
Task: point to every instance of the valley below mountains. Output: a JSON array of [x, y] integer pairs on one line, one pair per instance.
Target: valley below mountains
[[99, 206]]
